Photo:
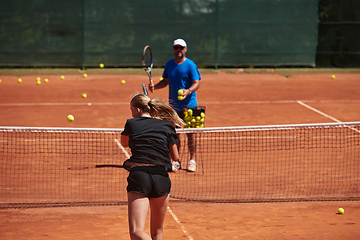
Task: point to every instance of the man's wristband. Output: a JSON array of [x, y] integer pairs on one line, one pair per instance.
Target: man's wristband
[[190, 91]]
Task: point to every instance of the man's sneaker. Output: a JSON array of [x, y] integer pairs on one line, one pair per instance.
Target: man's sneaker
[[176, 165], [192, 166]]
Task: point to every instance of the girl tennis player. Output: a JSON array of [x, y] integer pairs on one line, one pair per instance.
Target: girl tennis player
[[152, 138]]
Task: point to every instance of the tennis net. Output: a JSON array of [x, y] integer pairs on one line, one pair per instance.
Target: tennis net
[[44, 167]]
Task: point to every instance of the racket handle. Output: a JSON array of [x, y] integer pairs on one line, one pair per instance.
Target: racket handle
[[144, 89], [151, 83]]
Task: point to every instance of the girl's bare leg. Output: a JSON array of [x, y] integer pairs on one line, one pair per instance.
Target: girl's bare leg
[[158, 208], [138, 206]]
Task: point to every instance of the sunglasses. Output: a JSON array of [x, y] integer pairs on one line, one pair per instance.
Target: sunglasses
[[177, 48]]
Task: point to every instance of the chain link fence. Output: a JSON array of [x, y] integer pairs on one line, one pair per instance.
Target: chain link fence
[[339, 34], [219, 33]]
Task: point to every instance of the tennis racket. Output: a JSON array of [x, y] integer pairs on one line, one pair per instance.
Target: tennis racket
[[84, 167], [147, 62], [144, 89]]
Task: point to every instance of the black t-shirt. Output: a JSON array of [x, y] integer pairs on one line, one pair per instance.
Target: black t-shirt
[[149, 140]]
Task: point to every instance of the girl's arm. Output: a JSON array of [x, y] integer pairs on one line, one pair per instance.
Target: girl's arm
[[174, 153], [125, 140]]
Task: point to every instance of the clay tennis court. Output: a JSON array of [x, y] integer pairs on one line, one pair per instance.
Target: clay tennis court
[[232, 99]]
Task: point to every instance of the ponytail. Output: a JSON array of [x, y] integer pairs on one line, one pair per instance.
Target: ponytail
[[157, 108]]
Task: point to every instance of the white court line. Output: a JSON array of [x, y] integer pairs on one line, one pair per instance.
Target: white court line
[[61, 104], [319, 112], [179, 223], [122, 148], [202, 103], [276, 102], [324, 114]]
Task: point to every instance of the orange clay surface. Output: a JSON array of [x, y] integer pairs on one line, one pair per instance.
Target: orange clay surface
[[232, 100]]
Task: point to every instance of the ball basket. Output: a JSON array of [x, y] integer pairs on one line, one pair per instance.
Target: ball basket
[[194, 116]]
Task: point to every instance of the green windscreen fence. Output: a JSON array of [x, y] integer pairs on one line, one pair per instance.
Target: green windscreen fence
[[43, 33]]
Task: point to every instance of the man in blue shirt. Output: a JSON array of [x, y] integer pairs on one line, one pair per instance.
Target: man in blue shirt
[[181, 73]]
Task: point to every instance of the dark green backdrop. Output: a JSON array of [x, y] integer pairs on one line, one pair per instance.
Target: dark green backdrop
[[69, 33]]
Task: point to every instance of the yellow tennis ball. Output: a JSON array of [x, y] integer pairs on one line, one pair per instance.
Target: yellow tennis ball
[[333, 76], [181, 92], [84, 75], [46, 80], [161, 79], [190, 112], [19, 80], [38, 79], [198, 118], [341, 210], [38, 82], [202, 115], [70, 118], [180, 98], [62, 77], [123, 81], [0, 80], [84, 95], [101, 65]]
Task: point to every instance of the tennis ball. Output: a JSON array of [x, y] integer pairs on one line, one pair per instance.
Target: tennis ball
[[84, 95], [181, 92], [161, 79], [341, 210], [38, 79], [198, 118], [333, 76], [202, 115], [101, 65], [190, 112], [123, 81], [19, 80], [46, 80], [38, 82], [70, 118], [84, 75], [62, 77], [0, 80], [180, 98]]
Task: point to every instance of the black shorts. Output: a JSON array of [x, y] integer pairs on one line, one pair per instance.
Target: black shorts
[[149, 181]]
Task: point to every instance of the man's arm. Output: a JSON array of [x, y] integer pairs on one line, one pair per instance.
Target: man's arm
[[159, 85], [195, 86]]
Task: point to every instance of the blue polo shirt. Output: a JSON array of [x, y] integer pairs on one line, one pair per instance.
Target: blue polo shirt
[[181, 76]]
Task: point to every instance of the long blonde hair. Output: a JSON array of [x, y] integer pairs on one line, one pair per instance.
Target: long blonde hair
[[157, 108]]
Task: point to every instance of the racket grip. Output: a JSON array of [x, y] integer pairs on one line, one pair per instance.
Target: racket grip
[[151, 83]]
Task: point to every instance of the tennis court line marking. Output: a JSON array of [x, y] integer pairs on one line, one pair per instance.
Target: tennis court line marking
[[122, 148], [179, 223], [61, 104], [317, 111], [206, 102], [324, 114]]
